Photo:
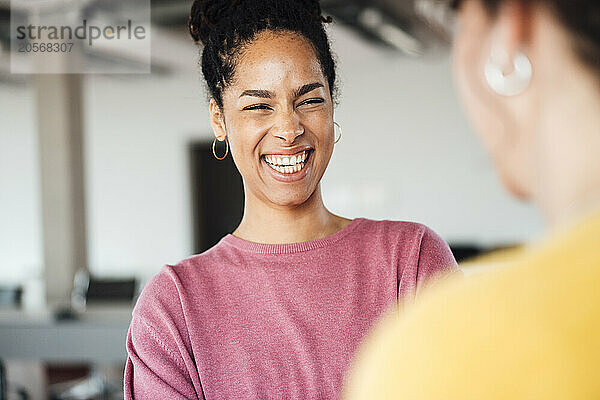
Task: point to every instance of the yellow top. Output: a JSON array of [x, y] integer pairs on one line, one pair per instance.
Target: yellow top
[[528, 331]]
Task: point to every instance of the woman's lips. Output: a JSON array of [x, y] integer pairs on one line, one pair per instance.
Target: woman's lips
[[288, 167]]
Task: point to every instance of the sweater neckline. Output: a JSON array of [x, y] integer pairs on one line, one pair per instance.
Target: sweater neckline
[[290, 248]]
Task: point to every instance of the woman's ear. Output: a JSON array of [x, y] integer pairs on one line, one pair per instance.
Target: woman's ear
[[511, 31], [217, 120]]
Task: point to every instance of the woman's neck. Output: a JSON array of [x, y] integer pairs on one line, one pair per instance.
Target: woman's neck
[[569, 143], [272, 224], [583, 206]]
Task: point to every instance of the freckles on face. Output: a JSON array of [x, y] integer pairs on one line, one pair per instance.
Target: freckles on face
[[279, 105]]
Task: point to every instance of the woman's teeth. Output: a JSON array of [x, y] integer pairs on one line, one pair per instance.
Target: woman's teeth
[[287, 164]]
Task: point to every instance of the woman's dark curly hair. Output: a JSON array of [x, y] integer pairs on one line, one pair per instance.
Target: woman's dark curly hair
[[224, 27]]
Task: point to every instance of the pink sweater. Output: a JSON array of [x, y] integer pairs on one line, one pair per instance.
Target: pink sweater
[[260, 321]]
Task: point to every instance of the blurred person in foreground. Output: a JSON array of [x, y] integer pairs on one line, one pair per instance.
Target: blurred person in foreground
[[528, 73]]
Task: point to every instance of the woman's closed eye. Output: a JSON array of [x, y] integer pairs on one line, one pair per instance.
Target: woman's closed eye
[[257, 107], [310, 102], [263, 107]]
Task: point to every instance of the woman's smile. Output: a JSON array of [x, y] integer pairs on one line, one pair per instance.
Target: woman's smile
[[288, 166]]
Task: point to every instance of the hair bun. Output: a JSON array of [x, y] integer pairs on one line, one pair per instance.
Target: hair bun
[[205, 15], [314, 7]]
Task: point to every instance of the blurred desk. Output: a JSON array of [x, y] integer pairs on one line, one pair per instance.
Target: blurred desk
[[98, 335]]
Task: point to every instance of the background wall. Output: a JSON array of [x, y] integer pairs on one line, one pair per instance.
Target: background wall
[[407, 153], [20, 212]]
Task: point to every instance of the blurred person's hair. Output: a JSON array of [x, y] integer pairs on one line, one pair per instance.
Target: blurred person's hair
[[225, 27], [581, 18]]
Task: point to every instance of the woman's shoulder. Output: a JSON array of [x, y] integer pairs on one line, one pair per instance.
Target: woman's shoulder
[[200, 263], [394, 228], [167, 287], [406, 237], [160, 292]]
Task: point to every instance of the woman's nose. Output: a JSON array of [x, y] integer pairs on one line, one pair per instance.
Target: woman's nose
[[288, 128]]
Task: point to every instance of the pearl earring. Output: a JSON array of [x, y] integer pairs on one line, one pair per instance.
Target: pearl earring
[[511, 84]]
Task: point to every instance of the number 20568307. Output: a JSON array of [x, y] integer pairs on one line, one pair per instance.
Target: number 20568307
[[45, 47]]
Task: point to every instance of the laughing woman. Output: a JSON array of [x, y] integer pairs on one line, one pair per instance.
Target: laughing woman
[[277, 308]]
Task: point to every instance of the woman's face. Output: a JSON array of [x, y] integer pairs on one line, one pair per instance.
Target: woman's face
[[501, 122], [277, 115]]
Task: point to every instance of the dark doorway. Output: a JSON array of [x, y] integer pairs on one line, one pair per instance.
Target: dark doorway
[[217, 195]]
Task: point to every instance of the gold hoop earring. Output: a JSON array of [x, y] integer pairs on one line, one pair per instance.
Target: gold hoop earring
[[226, 148], [340, 128]]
